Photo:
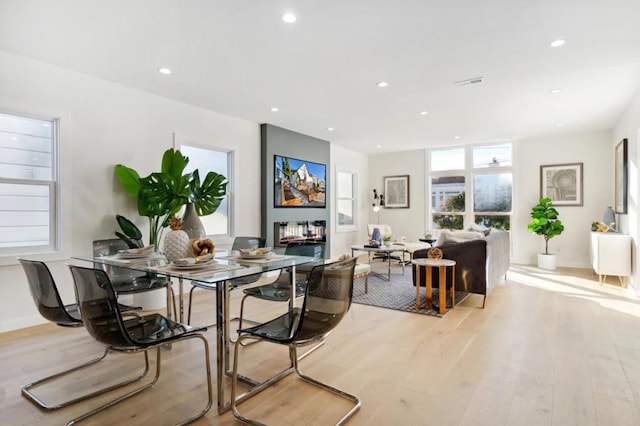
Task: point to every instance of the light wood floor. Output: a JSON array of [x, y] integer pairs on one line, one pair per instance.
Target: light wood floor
[[548, 349]]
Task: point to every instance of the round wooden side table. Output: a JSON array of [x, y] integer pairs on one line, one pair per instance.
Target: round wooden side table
[[442, 265]]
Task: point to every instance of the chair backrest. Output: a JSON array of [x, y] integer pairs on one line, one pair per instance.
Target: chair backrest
[[45, 294], [385, 230], [99, 306], [109, 247], [327, 298], [305, 248], [248, 243]]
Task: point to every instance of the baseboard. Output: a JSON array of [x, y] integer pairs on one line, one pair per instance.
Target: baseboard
[[21, 323]]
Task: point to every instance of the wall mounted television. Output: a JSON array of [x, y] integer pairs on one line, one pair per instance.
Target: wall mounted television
[[298, 183]]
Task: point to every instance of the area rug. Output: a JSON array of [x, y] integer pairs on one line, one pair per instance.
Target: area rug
[[399, 293]]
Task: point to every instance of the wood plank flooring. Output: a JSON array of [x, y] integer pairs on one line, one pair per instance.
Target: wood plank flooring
[[550, 348]]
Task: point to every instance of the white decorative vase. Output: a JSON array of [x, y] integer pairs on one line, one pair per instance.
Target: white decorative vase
[[176, 245], [547, 261], [176, 241]]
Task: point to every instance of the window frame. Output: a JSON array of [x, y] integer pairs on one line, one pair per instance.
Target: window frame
[[354, 201], [179, 142], [55, 237], [469, 172]]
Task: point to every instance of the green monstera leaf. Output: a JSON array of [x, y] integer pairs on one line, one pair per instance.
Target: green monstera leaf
[[162, 195], [208, 196]]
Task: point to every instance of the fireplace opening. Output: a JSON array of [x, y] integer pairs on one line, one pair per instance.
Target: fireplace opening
[[284, 232]]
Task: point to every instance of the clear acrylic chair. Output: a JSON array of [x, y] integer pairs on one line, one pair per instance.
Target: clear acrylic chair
[[327, 299], [238, 244], [280, 289], [128, 281], [106, 324], [47, 298]]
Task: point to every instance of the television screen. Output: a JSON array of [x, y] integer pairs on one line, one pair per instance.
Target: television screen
[[298, 183]]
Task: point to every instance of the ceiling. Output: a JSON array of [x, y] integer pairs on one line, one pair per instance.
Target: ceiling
[[238, 57]]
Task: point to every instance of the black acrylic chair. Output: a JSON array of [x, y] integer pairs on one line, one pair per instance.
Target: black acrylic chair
[[327, 299], [125, 280], [106, 324], [280, 289], [239, 243], [47, 298]]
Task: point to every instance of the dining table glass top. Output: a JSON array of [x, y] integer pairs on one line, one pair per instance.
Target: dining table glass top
[[224, 266]]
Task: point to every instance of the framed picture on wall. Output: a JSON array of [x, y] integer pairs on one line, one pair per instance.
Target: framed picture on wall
[[396, 190], [562, 183], [620, 179]]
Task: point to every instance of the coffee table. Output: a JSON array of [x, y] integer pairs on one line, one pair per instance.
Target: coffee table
[[386, 250]]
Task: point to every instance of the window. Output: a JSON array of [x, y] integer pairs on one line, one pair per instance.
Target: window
[[483, 171], [346, 200], [207, 160], [28, 178]]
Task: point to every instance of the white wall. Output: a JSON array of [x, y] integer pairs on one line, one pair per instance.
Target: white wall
[[629, 127], [102, 124], [572, 247], [411, 222], [350, 161]]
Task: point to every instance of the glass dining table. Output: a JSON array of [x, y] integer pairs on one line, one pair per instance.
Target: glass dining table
[[217, 274]]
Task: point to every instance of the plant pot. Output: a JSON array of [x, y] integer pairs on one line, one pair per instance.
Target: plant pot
[[547, 261]]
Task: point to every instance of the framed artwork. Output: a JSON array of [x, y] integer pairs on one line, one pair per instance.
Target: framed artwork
[[562, 183], [396, 190], [621, 176]]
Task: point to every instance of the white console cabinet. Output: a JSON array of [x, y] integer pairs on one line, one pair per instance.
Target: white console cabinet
[[611, 255]]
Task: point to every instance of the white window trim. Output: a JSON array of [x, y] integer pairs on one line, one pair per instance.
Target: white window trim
[[468, 172], [52, 250], [232, 165], [354, 200]]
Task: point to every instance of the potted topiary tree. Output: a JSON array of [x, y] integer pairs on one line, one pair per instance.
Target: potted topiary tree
[[545, 222]]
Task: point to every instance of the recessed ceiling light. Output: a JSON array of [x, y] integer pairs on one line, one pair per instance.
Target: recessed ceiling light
[[274, 109], [330, 129], [163, 70], [289, 18], [559, 124], [424, 112], [378, 146], [456, 137], [382, 84], [557, 43], [554, 91]]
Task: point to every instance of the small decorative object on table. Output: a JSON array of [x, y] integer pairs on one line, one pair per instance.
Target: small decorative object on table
[[176, 241], [203, 247]]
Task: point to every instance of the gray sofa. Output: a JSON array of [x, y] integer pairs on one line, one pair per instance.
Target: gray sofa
[[480, 263]]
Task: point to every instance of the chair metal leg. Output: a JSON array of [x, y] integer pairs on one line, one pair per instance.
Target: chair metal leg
[[189, 307], [235, 400], [153, 382], [26, 390], [332, 389]]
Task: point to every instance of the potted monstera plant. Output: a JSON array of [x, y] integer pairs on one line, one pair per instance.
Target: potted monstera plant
[[545, 222], [162, 194]]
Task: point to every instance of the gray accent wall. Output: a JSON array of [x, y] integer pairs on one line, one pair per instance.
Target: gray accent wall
[[278, 141]]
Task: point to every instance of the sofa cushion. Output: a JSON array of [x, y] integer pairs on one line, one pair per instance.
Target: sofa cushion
[[451, 237]]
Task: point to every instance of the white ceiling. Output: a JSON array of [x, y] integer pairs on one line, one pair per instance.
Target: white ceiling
[[239, 58]]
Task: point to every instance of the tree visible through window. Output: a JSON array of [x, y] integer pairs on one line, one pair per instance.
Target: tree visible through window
[[482, 171]]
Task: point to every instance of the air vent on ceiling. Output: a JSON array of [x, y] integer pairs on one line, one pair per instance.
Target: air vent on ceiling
[[474, 80]]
